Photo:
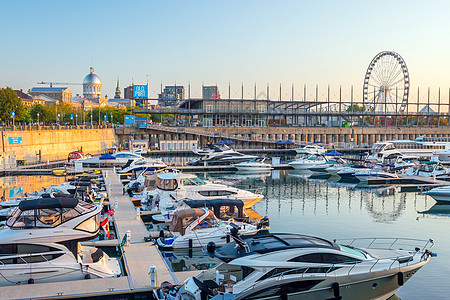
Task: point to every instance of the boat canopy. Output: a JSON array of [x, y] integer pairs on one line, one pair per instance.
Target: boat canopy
[[183, 218], [217, 205], [48, 203]]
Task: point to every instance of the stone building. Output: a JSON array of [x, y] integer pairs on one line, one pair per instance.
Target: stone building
[[92, 86], [63, 94]]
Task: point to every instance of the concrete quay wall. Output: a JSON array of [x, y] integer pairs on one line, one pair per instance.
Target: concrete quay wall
[[357, 136], [39, 145]]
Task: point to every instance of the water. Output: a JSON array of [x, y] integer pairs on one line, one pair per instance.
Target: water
[[336, 211], [14, 186]]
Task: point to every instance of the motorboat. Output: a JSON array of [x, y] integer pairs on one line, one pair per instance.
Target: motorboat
[[305, 163], [444, 155], [334, 169], [254, 165], [195, 227], [322, 168], [41, 243], [142, 164], [118, 158], [440, 194], [349, 172], [293, 266], [363, 175], [221, 156], [212, 148], [311, 149], [427, 169], [77, 155], [174, 186]]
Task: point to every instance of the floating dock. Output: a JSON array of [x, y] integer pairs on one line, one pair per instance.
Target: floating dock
[[137, 258]]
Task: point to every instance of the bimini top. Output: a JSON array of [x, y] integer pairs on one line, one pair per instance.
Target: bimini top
[[267, 243], [43, 203]]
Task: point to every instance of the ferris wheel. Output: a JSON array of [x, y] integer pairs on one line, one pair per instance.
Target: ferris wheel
[[386, 84]]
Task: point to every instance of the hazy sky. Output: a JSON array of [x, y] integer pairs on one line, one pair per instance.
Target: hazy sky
[[287, 42]]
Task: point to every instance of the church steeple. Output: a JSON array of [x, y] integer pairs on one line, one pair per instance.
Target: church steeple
[[118, 94]]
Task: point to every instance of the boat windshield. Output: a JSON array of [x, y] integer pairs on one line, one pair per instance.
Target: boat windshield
[[167, 184], [192, 181], [352, 251], [47, 217]]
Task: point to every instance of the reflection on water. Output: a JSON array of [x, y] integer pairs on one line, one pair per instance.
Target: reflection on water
[[14, 186], [330, 209]]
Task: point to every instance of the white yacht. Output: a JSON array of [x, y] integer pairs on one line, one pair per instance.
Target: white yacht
[[305, 163], [292, 266], [348, 173], [311, 149], [254, 165], [40, 243], [195, 227], [142, 164], [174, 186], [440, 194], [421, 147], [322, 168], [363, 175], [427, 169], [221, 156]]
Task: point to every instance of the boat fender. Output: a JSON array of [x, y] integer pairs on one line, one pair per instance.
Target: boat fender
[[190, 243], [87, 276], [228, 238], [211, 247], [336, 291], [161, 233], [31, 281], [400, 279]]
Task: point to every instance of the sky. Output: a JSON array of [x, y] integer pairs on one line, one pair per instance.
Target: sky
[[230, 42]]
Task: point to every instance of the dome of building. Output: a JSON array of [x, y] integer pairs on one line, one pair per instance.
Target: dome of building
[[92, 86], [92, 78]]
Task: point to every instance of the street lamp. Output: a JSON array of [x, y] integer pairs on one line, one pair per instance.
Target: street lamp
[[59, 120], [38, 119], [112, 124]]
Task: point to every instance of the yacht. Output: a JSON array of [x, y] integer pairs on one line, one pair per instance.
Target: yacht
[[174, 186], [349, 172], [254, 165], [363, 175], [422, 147], [427, 169], [194, 227], [221, 156], [213, 149], [41, 243], [305, 163], [293, 266], [311, 149], [322, 168], [440, 194], [142, 164]]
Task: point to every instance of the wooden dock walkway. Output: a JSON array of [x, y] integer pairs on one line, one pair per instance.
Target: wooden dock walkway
[[138, 257]]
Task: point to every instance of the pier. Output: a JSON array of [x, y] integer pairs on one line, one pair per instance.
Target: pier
[[137, 259]]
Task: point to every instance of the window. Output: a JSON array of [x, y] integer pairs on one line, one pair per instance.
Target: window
[[324, 258], [198, 181], [90, 225], [284, 289], [167, 184]]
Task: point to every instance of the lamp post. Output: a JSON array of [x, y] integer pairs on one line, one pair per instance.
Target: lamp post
[[38, 119], [112, 124], [59, 120]]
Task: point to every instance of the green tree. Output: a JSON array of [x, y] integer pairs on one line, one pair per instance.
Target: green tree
[[355, 108], [38, 109], [10, 102]]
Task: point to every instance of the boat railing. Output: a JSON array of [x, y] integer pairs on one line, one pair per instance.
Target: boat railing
[[390, 243]]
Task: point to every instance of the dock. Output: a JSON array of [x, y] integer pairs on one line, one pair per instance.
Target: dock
[[137, 259], [410, 181]]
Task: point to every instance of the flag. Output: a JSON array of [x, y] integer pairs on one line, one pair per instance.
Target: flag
[[105, 225]]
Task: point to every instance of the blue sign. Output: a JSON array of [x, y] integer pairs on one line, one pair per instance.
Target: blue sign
[[15, 192], [105, 118], [129, 119], [14, 140], [71, 116], [139, 91]]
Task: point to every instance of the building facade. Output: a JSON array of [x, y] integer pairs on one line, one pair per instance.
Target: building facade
[[63, 94], [171, 95], [210, 92]]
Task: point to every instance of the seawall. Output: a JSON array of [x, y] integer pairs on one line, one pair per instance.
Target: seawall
[[38, 145]]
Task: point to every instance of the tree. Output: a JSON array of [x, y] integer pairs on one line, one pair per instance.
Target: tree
[[38, 109], [10, 102], [355, 108]]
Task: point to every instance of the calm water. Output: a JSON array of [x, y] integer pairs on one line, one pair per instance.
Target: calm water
[[335, 210], [330, 210]]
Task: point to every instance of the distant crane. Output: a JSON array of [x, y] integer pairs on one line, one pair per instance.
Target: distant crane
[[51, 83]]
